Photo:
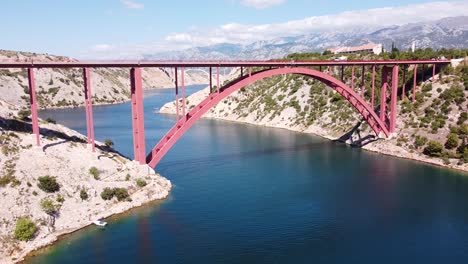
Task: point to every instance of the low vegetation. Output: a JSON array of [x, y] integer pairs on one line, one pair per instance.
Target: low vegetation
[[141, 183], [48, 184], [25, 229], [95, 173], [120, 193]]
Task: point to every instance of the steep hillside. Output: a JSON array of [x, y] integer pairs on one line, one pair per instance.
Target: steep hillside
[[61, 187], [64, 87], [424, 128]]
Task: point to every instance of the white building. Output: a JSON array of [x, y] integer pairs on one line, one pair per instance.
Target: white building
[[370, 48]]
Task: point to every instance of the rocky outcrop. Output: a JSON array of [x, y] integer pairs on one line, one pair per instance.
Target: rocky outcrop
[[65, 156]]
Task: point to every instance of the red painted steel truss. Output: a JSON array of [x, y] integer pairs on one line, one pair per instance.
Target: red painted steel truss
[[383, 122]]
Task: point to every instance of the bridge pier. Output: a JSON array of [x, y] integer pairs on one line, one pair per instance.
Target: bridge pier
[[33, 102], [184, 115], [403, 92], [176, 82], [393, 99], [217, 79], [89, 108], [373, 86], [415, 76], [211, 80], [138, 119], [383, 95], [363, 89]]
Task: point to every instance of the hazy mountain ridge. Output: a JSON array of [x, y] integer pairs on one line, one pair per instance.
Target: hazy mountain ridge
[[449, 32]]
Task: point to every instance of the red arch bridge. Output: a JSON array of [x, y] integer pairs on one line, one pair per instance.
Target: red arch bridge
[[381, 116]]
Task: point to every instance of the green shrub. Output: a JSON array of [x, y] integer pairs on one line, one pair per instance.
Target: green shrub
[[141, 183], [50, 121], [127, 177], [24, 114], [48, 184], [83, 195], [109, 143], [463, 117], [420, 141], [25, 229], [107, 193], [433, 149], [6, 179], [49, 207], [94, 172], [120, 193], [60, 198], [452, 141]]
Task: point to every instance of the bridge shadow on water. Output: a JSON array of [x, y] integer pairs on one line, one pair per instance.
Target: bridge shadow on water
[[217, 160]]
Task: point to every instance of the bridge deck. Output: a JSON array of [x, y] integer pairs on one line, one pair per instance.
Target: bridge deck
[[208, 63]]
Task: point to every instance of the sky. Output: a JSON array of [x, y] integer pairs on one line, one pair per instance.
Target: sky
[[97, 29]]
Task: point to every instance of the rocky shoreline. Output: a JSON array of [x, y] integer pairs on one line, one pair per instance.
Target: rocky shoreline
[[65, 157], [57, 236], [223, 111]]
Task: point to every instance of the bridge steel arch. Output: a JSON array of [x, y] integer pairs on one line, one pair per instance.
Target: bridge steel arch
[[178, 130]]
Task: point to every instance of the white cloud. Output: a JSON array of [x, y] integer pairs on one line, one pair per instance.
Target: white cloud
[[102, 47], [132, 4], [261, 4], [245, 33]]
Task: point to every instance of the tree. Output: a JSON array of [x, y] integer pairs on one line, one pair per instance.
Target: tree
[[25, 229], [433, 149], [48, 184], [452, 141]]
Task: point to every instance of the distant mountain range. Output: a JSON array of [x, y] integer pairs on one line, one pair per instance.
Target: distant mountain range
[[449, 32]]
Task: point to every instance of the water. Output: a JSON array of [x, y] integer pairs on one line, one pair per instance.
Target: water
[[247, 194]]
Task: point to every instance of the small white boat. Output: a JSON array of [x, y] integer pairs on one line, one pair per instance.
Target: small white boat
[[99, 222]]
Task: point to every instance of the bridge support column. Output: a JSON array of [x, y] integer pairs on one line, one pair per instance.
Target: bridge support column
[[33, 102], [433, 72], [352, 78], [184, 113], [138, 116], [393, 99], [373, 86], [415, 76], [242, 72], [211, 80], [217, 79], [89, 108], [363, 89], [383, 95], [176, 82], [342, 73], [403, 92], [250, 71]]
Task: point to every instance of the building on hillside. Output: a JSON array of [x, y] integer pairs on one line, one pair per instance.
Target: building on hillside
[[370, 48]]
